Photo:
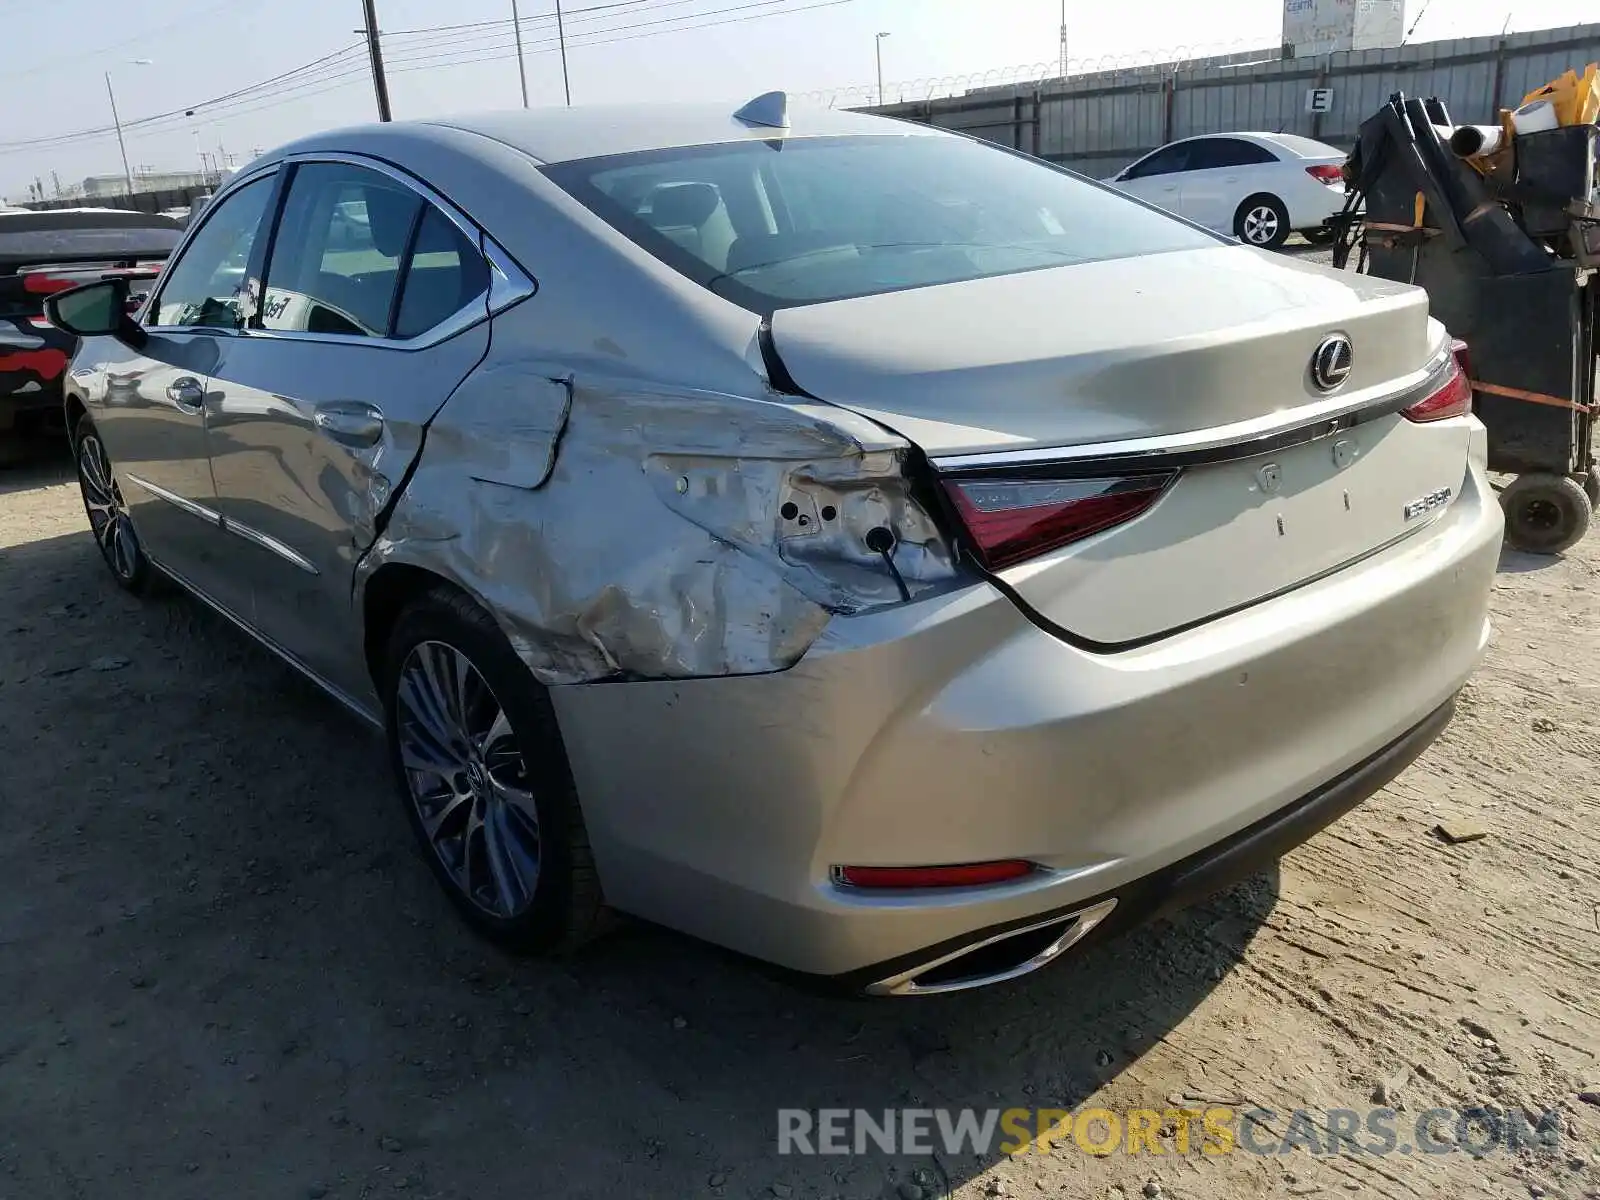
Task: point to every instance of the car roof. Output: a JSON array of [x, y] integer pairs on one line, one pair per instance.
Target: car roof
[[1302, 147], [553, 135]]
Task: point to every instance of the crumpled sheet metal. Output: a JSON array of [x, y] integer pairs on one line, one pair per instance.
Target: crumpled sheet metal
[[622, 532]]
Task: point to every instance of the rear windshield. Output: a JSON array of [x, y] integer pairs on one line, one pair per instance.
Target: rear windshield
[[1305, 147], [788, 222]]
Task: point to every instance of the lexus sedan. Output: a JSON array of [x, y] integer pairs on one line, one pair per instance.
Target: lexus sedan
[[1260, 187], [846, 541]]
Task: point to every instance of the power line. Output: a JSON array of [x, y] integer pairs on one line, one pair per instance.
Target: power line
[[341, 68]]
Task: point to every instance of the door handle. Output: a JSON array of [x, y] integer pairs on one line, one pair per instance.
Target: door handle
[[188, 393], [353, 424]]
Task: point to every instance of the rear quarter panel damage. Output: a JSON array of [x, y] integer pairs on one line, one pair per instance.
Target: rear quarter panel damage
[[621, 530]]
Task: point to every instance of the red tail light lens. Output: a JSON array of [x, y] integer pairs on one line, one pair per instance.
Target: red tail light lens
[[1326, 173], [1012, 520], [1453, 398], [966, 875]]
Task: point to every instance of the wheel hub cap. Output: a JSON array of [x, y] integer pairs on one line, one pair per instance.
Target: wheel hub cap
[[108, 513], [467, 779]]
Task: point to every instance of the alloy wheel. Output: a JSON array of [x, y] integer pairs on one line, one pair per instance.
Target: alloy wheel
[[108, 513], [467, 779], [1260, 225]]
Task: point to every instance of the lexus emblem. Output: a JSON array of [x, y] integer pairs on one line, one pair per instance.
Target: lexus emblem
[[1330, 365]]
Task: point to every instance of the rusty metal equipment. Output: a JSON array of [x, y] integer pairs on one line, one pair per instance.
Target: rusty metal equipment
[[1508, 252]]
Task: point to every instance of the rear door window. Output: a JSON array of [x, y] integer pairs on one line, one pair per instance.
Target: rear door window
[[336, 260], [1212, 153]]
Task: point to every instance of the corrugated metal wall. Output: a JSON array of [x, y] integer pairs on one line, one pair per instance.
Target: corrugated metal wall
[[1100, 123]]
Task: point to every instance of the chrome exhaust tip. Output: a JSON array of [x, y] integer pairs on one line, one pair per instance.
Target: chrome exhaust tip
[[1009, 955]]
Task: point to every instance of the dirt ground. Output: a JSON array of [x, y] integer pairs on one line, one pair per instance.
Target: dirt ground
[[224, 973]]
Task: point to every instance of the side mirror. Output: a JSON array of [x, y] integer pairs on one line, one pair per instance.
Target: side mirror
[[95, 310]]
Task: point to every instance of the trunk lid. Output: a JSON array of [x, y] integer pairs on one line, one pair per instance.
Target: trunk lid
[[1105, 363]]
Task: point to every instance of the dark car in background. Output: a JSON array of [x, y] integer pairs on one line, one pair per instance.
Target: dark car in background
[[46, 252]]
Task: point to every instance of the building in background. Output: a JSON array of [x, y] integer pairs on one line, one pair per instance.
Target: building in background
[[144, 181], [1329, 26]]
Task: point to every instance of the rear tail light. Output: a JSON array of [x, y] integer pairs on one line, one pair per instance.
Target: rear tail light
[[965, 875], [1326, 173], [1011, 520], [1463, 357], [1453, 398]]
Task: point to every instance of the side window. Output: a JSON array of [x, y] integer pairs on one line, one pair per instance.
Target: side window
[[446, 273], [1227, 152], [207, 283], [1163, 162], [336, 260]]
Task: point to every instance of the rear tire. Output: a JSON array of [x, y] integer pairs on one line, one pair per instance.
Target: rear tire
[[1262, 221], [109, 519], [483, 776], [1546, 514], [1591, 486], [1320, 236]]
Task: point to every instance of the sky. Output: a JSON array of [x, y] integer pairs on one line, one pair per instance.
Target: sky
[[202, 52]]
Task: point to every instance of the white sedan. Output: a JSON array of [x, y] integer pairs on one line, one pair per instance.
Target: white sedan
[[1260, 187]]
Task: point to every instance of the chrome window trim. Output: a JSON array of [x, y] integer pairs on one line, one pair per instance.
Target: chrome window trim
[[1242, 439], [508, 283]]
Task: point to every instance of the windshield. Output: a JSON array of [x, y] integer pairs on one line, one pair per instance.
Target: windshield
[[776, 224]]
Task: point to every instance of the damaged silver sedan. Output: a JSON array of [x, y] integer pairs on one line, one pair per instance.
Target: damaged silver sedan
[[846, 541]]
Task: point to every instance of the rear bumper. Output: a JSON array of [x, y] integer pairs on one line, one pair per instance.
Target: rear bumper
[[1202, 874], [953, 730]]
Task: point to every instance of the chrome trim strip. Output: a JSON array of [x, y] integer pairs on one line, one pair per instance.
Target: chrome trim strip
[[1242, 439], [508, 283], [337, 694], [267, 542], [1078, 926], [189, 506]]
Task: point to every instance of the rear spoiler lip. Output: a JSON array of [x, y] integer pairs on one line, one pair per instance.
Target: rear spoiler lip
[[21, 264], [1226, 443]]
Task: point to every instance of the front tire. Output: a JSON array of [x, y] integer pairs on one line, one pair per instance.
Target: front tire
[[1545, 514], [109, 518], [1262, 221], [482, 773], [1320, 236]]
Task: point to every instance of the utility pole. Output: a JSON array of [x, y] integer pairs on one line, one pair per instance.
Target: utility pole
[[1063, 39], [522, 67], [561, 36], [127, 174], [380, 85], [878, 46]]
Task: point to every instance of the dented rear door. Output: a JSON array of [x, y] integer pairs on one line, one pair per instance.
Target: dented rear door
[[316, 415]]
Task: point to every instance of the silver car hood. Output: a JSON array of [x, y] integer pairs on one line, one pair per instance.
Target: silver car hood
[[1106, 351]]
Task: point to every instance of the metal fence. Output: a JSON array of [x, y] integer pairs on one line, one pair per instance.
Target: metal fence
[[1101, 122], [150, 202]]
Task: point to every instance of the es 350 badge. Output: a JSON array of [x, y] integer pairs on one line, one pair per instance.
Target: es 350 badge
[[1426, 504]]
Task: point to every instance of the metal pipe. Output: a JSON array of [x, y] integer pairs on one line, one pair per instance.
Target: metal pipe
[[127, 173], [522, 67]]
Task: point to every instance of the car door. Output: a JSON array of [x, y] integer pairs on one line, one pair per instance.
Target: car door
[[374, 308], [1157, 177], [151, 411], [1222, 173]]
